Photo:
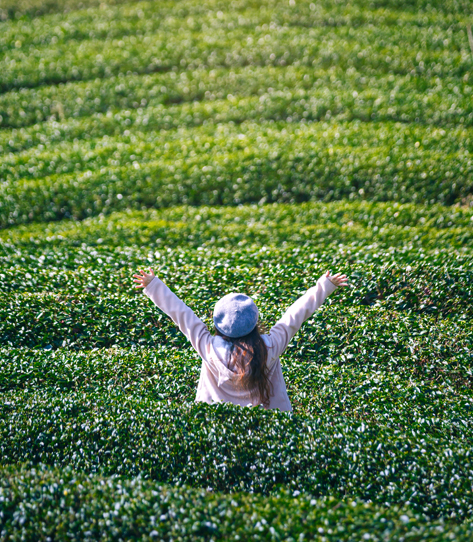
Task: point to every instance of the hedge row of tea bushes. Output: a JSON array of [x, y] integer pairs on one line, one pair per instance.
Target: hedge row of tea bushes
[[145, 18], [34, 503], [426, 346], [390, 226], [282, 244], [224, 448], [401, 150], [91, 318], [100, 133], [107, 270], [145, 38], [433, 396], [53, 272], [29, 9], [310, 94], [160, 373], [425, 288], [231, 164], [369, 48], [257, 102], [18, 9], [417, 289]]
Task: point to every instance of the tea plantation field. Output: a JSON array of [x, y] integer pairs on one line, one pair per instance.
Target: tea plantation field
[[249, 146]]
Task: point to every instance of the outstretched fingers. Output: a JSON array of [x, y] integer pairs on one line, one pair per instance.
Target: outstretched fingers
[[338, 279], [144, 278], [342, 280]]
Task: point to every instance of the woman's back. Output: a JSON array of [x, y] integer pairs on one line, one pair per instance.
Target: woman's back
[[219, 381]]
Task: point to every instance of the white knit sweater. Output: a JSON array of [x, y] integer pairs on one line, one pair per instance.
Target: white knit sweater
[[217, 382]]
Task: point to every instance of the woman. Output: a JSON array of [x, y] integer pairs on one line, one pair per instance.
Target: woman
[[240, 365]]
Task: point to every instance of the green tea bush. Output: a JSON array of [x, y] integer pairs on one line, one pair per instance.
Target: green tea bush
[[35, 500], [148, 44], [432, 397], [12, 9], [293, 91], [147, 146], [35, 8], [144, 95], [426, 281], [160, 373], [373, 231], [229, 448], [423, 288], [91, 320], [281, 163]]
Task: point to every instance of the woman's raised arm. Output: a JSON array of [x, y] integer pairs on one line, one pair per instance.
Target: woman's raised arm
[[192, 327], [285, 329]]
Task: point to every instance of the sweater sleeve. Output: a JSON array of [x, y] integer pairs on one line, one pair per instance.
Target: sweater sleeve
[[285, 329], [192, 327]]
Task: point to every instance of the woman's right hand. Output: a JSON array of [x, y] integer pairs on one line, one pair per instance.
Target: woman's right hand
[[337, 279], [144, 279]]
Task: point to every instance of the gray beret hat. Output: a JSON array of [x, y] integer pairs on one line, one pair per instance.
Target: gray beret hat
[[235, 315]]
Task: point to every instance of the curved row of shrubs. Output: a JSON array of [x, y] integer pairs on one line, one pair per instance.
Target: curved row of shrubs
[[145, 143], [199, 38], [35, 501], [423, 288], [242, 164], [96, 320], [431, 396], [101, 107], [385, 232], [228, 448], [29, 9]]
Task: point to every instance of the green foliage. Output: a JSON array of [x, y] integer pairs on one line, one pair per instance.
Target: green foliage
[[18, 9], [239, 164], [382, 371], [145, 38], [91, 320], [244, 146], [167, 100], [111, 507], [380, 232], [229, 448], [430, 395], [145, 105], [159, 373], [23, 9]]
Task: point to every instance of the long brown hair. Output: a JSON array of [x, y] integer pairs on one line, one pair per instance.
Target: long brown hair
[[249, 356]]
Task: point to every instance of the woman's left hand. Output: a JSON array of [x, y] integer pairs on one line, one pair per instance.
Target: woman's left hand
[[144, 279]]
